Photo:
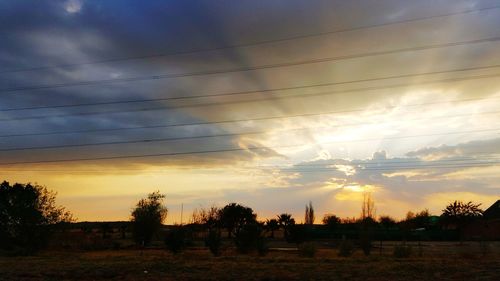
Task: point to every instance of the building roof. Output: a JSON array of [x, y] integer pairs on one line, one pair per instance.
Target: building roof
[[493, 212]]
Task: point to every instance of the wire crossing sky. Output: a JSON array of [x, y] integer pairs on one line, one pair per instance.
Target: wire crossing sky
[[269, 104]]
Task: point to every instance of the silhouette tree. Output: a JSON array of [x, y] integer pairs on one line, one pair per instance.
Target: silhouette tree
[[147, 217], [175, 240], [332, 221], [28, 214], [250, 238], [417, 220], [387, 222], [214, 242], [367, 223], [234, 216], [459, 210], [309, 216], [206, 217], [459, 214], [105, 229], [272, 225], [368, 207], [123, 230], [286, 222]]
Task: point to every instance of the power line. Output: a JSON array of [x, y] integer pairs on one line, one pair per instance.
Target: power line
[[262, 42], [209, 136], [382, 168], [252, 68], [407, 167], [274, 98], [237, 93], [376, 162], [259, 119], [223, 150]]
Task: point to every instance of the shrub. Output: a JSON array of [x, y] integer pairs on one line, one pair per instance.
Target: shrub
[[297, 234], [176, 240], [214, 242], [402, 251], [308, 249], [346, 248], [262, 247], [248, 238], [366, 244]]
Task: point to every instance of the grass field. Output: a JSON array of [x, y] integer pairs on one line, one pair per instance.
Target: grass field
[[438, 261]]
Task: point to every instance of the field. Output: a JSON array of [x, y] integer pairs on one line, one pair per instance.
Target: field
[[432, 261]]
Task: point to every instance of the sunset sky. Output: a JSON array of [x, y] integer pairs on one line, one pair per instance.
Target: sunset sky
[[270, 104]]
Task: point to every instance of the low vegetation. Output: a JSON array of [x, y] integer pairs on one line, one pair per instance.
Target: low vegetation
[[218, 239]]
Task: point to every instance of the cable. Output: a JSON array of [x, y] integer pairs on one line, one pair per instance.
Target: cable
[[412, 167], [258, 119], [220, 150], [210, 136], [383, 162], [487, 164], [268, 98], [250, 92], [392, 168], [242, 69], [175, 53]]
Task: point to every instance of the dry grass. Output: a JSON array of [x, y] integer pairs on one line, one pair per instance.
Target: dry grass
[[198, 264]]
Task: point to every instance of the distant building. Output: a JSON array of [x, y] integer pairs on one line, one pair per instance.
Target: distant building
[[488, 228], [493, 212]]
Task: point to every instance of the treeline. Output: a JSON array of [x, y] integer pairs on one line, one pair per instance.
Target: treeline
[[240, 225], [29, 216]]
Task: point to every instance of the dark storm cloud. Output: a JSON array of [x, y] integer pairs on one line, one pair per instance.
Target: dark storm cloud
[[48, 33]]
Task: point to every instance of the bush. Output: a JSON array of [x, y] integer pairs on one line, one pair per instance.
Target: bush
[[214, 242], [176, 240], [402, 251], [366, 244], [296, 234], [262, 247], [346, 248], [248, 238], [308, 249]]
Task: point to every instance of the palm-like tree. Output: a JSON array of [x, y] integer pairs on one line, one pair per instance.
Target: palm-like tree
[[286, 221], [272, 225]]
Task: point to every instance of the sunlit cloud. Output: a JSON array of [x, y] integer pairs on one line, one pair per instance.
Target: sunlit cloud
[[73, 6]]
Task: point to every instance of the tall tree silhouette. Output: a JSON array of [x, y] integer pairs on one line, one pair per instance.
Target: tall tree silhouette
[[309, 215], [147, 217], [28, 214], [367, 207], [234, 216]]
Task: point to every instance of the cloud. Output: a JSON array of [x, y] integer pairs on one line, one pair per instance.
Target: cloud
[[73, 6], [73, 32], [404, 181], [475, 148]]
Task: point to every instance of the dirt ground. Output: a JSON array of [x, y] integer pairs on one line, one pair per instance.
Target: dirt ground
[[431, 261]]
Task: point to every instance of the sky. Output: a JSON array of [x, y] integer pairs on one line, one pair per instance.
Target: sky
[[270, 104]]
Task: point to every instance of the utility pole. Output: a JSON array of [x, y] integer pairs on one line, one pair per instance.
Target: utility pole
[[182, 211]]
